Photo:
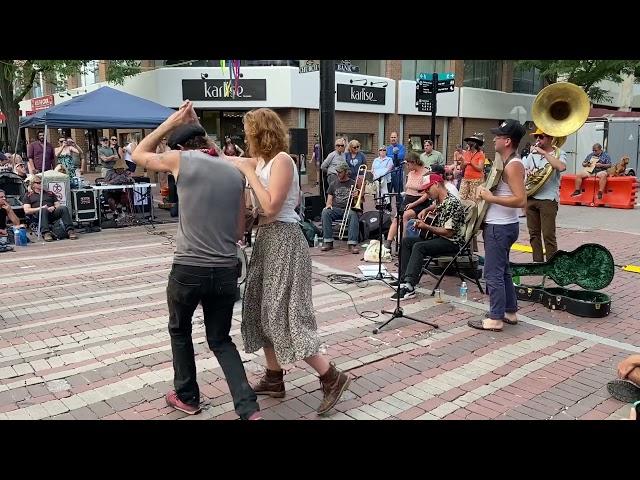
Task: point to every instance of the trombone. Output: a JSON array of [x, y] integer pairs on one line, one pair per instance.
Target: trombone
[[357, 207]]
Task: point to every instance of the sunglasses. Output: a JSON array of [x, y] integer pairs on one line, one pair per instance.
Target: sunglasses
[[114, 139], [539, 136], [339, 144]]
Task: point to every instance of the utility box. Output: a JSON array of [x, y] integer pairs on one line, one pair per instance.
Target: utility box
[[59, 184]]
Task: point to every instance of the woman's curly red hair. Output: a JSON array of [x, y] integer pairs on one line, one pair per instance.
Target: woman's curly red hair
[[265, 133]]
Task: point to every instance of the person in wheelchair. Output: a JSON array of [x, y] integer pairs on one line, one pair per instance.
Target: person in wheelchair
[[120, 175], [441, 236]]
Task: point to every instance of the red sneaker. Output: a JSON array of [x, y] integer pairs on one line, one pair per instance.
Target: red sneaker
[[174, 401]]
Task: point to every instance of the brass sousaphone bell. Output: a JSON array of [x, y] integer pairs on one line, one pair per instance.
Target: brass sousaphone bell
[[558, 110]]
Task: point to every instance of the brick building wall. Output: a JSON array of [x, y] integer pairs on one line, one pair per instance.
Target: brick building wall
[[393, 70]]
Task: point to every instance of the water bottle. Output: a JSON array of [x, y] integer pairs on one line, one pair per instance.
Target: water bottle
[[17, 239], [463, 292], [316, 242]]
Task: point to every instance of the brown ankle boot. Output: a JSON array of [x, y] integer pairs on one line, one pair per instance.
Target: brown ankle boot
[[272, 384], [334, 383]]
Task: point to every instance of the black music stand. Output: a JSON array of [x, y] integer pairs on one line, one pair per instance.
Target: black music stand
[[398, 312]]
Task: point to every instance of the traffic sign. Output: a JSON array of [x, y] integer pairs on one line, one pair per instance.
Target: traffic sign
[[424, 105], [424, 88], [445, 87], [441, 76]]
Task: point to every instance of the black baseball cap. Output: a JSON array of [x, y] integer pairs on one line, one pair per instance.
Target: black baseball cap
[[184, 133], [510, 128]]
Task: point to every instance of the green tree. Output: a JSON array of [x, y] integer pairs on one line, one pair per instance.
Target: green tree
[[584, 73], [17, 78]]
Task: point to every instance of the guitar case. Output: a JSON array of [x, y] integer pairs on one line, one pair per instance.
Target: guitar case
[[582, 303], [589, 266]]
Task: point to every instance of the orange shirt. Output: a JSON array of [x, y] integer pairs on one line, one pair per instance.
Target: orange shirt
[[477, 159]]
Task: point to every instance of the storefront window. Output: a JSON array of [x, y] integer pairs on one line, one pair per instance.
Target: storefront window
[[527, 80], [416, 142], [365, 139], [370, 67], [210, 121], [482, 74]]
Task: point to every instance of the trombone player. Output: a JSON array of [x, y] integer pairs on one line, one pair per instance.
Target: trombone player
[[542, 206], [340, 198]]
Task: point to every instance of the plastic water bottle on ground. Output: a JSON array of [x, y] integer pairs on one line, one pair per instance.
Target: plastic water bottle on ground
[[316, 242], [463, 292]]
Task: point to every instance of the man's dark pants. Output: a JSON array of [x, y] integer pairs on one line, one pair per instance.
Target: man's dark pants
[[415, 250], [215, 288], [47, 218]]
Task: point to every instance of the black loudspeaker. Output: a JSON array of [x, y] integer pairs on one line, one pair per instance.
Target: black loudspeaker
[[298, 142], [312, 206], [84, 205], [369, 225]]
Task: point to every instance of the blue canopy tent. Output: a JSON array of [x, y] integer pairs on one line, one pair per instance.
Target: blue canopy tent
[[101, 108]]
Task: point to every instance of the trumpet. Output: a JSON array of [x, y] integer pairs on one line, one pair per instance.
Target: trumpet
[[357, 207]]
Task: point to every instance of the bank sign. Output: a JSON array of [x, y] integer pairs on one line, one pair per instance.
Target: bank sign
[[360, 94], [223, 90]]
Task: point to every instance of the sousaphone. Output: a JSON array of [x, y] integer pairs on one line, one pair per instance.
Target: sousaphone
[[558, 110]]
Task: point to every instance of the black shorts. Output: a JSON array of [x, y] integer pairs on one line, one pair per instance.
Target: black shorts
[[412, 198]]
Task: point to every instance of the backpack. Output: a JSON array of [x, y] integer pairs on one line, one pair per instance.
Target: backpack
[[58, 230]]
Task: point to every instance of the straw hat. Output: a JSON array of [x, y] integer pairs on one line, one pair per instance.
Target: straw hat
[[120, 163]]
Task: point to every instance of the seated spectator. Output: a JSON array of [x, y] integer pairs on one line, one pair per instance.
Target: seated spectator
[[601, 162], [20, 169], [120, 175], [414, 201], [6, 212], [51, 209], [14, 157], [5, 163], [626, 388], [337, 200]]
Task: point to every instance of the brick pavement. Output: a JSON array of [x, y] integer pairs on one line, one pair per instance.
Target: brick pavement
[[83, 336]]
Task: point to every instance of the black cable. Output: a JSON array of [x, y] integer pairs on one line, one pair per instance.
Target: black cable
[[348, 279], [162, 233]]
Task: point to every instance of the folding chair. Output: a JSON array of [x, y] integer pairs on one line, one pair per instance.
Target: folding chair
[[470, 216]]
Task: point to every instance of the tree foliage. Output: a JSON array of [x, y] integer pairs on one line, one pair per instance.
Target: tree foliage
[[17, 78], [584, 73]]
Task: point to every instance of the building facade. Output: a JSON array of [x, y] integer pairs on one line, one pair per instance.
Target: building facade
[[370, 104]]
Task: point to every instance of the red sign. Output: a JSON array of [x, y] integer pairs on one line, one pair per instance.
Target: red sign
[[42, 103]]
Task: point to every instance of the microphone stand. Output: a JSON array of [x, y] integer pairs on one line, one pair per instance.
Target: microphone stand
[[398, 312]]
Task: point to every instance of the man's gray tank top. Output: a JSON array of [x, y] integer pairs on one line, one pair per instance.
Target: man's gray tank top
[[209, 191]]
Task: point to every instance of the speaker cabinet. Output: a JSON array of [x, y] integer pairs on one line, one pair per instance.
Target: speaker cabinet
[[84, 205], [298, 141]]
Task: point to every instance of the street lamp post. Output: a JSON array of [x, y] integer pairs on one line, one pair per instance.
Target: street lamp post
[[327, 113]]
